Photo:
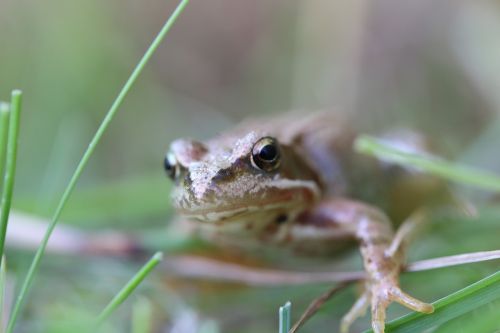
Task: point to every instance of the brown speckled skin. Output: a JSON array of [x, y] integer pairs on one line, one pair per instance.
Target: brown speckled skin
[[322, 194]]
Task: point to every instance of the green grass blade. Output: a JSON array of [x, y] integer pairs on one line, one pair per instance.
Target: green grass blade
[[433, 165], [129, 287], [285, 317], [10, 165], [4, 130], [3, 281], [449, 307], [142, 316], [86, 156]]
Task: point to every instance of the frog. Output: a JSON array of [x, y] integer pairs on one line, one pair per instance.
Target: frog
[[295, 182]]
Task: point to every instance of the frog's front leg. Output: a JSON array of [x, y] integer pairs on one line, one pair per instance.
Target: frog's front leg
[[383, 263]]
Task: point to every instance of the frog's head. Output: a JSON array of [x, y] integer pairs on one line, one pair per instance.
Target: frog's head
[[252, 179]]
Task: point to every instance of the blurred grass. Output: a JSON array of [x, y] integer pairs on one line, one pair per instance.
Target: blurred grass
[[429, 164], [137, 198], [142, 316]]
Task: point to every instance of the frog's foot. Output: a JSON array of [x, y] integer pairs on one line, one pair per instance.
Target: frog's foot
[[386, 291], [381, 294]]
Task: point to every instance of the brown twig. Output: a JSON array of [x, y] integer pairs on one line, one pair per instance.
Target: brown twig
[[204, 268], [316, 304], [26, 232]]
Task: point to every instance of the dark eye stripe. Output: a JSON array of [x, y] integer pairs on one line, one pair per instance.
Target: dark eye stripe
[[225, 175]]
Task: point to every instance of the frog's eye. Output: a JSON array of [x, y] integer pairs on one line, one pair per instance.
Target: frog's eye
[[171, 166], [266, 154]]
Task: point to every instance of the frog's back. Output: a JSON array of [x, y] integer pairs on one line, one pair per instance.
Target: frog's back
[[325, 141]]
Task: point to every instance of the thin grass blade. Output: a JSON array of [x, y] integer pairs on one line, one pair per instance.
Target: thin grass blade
[[3, 281], [285, 314], [10, 165], [4, 130], [433, 165], [85, 158], [129, 287]]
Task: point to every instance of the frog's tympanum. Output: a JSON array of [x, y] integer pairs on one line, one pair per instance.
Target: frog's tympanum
[[295, 182]]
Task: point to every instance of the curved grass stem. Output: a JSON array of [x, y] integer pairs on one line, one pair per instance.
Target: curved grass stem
[[85, 158]]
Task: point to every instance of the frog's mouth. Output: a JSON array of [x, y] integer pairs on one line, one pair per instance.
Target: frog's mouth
[[225, 214], [284, 195]]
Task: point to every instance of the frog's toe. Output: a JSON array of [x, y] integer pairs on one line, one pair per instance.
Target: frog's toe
[[383, 294], [397, 295], [380, 302]]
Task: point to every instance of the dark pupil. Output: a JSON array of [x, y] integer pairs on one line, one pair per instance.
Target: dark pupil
[[268, 153]]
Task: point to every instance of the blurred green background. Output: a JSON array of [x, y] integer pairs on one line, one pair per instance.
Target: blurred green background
[[432, 66]]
